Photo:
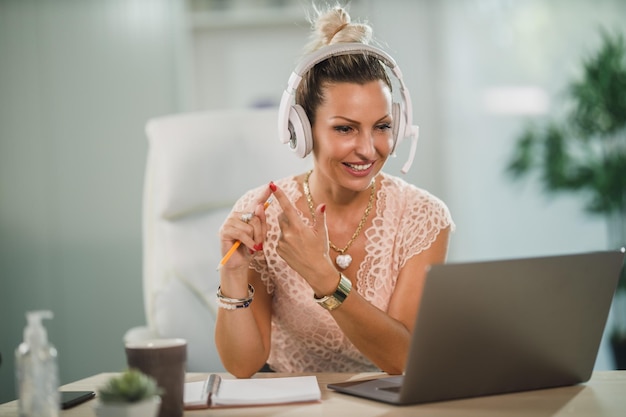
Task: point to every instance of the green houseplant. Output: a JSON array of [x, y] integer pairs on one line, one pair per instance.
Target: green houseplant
[[583, 151], [130, 394]]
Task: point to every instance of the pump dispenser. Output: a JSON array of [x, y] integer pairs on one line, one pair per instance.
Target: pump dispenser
[[36, 370]]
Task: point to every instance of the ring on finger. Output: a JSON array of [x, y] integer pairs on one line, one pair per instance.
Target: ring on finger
[[246, 217]]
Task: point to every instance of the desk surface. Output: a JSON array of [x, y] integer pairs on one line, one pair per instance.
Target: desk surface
[[603, 395]]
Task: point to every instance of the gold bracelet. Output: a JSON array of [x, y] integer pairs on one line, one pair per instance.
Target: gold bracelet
[[331, 302]]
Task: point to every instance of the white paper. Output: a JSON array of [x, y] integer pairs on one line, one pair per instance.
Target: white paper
[[267, 391], [255, 391], [196, 394]]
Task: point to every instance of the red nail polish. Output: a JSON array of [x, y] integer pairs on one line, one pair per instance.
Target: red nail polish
[[273, 186], [250, 251], [323, 208], [258, 246]]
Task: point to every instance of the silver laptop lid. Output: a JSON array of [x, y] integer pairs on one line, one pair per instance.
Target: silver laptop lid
[[512, 325]]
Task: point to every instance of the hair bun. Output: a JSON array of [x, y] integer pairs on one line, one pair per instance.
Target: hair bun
[[334, 26]]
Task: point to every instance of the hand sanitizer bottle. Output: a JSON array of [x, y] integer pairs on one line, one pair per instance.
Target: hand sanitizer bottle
[[36, 370]]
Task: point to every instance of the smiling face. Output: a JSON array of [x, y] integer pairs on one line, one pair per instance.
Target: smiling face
[[352, 133]]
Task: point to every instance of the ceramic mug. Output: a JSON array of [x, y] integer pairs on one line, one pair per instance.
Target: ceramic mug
[[166, 361]]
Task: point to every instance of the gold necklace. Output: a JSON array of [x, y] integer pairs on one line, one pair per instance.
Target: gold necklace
[[343, 260]]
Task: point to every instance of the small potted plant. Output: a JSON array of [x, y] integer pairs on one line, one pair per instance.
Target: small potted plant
[[130, 394]]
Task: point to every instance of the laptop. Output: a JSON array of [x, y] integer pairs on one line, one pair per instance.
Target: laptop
[[496, 327]]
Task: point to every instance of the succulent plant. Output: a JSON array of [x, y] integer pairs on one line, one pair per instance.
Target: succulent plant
[[129, 387]]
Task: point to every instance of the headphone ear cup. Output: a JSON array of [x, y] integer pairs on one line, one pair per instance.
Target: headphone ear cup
[[398, 125], [301, 140]]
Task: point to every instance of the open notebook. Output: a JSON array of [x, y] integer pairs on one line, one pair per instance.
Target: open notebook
[[503, 326], [219, 392]]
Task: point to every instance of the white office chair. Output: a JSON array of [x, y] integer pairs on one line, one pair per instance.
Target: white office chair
[[198, 164]]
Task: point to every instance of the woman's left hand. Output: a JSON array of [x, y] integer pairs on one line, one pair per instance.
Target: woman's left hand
[[305, 248]]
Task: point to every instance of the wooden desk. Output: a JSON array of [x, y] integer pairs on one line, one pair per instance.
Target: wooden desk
[[603, 395]]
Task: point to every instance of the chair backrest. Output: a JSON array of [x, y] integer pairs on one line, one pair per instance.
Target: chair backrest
[[198, 164]]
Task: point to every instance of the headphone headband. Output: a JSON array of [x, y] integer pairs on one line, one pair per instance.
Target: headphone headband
[[337, 49], [286, 112]]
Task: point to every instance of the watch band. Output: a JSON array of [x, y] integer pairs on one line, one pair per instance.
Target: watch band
[[331, 302]]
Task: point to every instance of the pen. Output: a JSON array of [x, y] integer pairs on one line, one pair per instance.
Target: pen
[[237, 243]]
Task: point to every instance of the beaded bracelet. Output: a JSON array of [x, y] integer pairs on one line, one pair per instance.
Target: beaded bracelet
[[227, 306], [234, 303]]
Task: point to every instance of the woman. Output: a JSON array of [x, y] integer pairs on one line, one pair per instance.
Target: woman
[[328, 277]]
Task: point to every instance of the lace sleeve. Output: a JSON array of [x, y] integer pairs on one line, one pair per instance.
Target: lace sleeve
[[424, 217]]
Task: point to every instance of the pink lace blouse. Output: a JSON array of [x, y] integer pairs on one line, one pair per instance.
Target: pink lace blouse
[[304, 337]]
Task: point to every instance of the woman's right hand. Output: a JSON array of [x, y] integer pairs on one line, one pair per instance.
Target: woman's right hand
[[250, 233]]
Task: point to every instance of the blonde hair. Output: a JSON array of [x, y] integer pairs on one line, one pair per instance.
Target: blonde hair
[[333, 25]]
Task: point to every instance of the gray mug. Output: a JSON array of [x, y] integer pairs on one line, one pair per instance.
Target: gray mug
[[166, 361]]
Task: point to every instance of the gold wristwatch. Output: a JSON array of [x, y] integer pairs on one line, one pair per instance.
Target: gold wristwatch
[[331, 302]]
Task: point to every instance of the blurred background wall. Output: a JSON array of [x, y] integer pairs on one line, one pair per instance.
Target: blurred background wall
[[78, 80]]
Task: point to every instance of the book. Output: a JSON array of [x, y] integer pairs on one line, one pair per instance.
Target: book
[[216, 391]]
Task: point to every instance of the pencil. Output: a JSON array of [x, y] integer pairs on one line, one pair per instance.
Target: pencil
[[237, 243]]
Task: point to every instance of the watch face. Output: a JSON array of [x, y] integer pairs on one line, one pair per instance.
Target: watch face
[[331, 303]]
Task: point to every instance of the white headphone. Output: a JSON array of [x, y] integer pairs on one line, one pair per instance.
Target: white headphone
[[294, 126]]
